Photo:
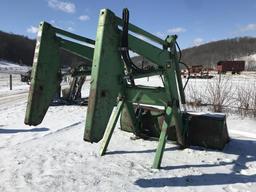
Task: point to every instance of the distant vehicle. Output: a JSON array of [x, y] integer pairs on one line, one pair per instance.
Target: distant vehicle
[[26, 77], [232, 66], [197, 71]]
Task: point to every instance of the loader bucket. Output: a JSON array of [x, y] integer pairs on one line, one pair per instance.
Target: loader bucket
[[202, 129], [45, 75], [151, 121], [207, 130]]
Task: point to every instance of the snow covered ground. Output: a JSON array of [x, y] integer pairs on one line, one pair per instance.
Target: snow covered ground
[[14, 68], [7, 68], [54, 157], [250, 61]]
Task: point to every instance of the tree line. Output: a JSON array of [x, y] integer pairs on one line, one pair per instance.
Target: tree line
[[210, 53], [16, 48], [20, 49]]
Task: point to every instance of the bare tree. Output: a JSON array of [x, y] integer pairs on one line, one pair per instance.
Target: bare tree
[[219, 94], [194, 95], [246, 99]]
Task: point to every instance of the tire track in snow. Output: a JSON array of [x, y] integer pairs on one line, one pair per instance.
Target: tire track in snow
[[12, 99], [66, 128]]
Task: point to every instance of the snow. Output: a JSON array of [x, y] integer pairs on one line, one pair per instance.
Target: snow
[[54, 157], [250, 61], [7, 68], [12, 68]]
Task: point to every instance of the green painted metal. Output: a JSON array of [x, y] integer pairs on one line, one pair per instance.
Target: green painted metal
[[142, 32], [110, 127], [148, 74], [171, 41], [106, 77], [149, 51], [76, 49], [74, 36], [171, 86], [162, 138], [109, 83], [130, 114], [146, 95], [46, 71]]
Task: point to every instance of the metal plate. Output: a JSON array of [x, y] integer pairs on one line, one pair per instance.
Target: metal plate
[[106, 83], [45, 75]]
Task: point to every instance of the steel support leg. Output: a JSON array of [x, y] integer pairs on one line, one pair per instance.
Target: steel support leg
[[110, 127], [162, 138], [134, 121]]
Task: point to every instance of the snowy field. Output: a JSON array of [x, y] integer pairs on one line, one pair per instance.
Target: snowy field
[[54, 157], [233, 84], [7, 68]]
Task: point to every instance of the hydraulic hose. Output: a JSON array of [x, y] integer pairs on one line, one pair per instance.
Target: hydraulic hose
[[180, 55], [125, 47]]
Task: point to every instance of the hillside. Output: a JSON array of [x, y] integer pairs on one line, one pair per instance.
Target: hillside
[[16, 48], [209, 54], [20, 49]]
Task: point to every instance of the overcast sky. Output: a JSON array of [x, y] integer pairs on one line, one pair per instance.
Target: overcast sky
[[195, 21]]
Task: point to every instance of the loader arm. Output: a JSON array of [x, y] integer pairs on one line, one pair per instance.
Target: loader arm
[[107, 89], [46, 70], [113, 89]]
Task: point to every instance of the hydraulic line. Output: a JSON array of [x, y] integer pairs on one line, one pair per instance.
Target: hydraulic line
[[180, 62], [188, 74], [124, 45]]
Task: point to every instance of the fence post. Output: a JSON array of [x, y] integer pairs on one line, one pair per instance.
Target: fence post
[[10, 81], [219, 77]]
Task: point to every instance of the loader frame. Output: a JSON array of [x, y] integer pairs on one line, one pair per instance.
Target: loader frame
[[46, 71], [110, 92], [113, 87]]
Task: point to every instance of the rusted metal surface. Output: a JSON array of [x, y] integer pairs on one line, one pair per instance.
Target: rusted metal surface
[[233, 66]]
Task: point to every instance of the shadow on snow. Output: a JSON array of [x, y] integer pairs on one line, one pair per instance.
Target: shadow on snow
[[11, 131], [244, 149]]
